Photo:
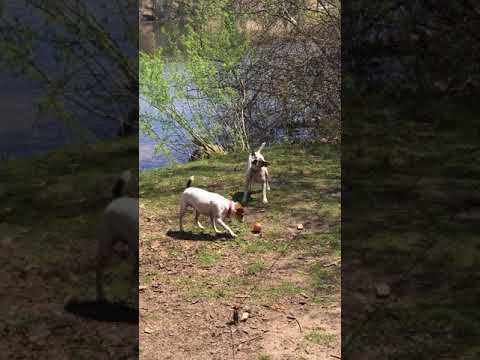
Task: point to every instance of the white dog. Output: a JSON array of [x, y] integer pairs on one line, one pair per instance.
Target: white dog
[[119, 223], [215, 206], [257, 172]]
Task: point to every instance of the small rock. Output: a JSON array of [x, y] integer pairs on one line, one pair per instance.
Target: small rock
[[39, 336], [299, 226], [148, 330], [304, 295], [6, 241], [245, 316], [382, 289]]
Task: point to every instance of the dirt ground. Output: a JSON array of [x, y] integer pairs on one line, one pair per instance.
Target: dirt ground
[[47, 255]]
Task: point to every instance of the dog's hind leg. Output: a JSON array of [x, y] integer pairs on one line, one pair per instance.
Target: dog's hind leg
[[133, 249], [181, 214], [104, 254], [197, 221]]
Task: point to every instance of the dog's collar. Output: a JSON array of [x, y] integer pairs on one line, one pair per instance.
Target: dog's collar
[[230, 208]]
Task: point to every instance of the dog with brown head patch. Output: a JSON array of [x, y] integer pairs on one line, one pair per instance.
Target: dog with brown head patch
[[213, 205]]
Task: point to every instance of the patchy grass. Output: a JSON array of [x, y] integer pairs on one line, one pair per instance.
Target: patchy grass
[[204, 273], [207, 256], [51, 206], [285, 288], [320, 337], [264, 357], [255, 267], [324, 277]]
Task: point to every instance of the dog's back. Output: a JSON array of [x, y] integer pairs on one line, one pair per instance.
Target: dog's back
[[194, 195]]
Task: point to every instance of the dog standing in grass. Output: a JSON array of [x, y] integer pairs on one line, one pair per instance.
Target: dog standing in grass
[[213, 205], [257, 172], [119, 223]]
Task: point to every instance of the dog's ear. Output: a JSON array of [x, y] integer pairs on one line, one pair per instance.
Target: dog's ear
[[253, 153], [239, 208], [265, 163]]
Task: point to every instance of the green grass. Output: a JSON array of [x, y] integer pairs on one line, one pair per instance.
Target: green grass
[[207, 256], [255, 267], [203, 292], [319, 337], [272, 293], [148, 278], [324, 277], [53, 211], [304, 182], [264, 357]]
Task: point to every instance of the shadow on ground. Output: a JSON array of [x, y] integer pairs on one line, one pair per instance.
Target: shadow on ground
[[103, 311], [188, 235]]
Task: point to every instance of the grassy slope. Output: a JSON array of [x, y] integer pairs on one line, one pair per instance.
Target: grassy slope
[[49, 213], [305, 189], [412, 223]]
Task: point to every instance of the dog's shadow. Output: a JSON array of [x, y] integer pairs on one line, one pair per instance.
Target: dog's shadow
[[103, 311], [238, 196], [188, 235]]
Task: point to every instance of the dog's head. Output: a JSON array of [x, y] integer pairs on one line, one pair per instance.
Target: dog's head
[[239, 211], [257, 160]]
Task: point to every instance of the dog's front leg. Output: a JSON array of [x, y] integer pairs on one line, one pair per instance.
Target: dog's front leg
[[267, 179], [247, 189], [225, 226], [264, 189], [214, 225]]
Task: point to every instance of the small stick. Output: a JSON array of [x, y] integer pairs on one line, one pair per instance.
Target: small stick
[[251, 339], [233, 345], [298, 324]]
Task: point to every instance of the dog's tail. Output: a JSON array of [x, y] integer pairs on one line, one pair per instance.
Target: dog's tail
[[189, 182], [261, 147], [121, 184]]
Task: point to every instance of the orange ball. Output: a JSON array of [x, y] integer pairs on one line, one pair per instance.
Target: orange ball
[[257, 228]]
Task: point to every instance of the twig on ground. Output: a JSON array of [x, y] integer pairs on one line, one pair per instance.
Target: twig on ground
[[233, 345], [336, 262], [251, 339], [300, 326]]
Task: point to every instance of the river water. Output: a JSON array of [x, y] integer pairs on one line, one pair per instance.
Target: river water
[[23, 132], [152, 37]]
